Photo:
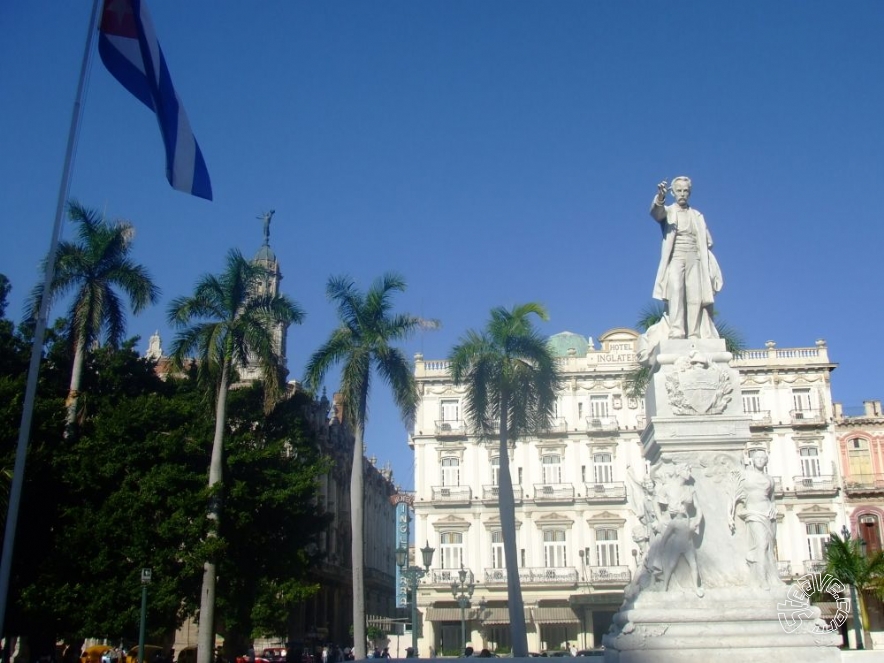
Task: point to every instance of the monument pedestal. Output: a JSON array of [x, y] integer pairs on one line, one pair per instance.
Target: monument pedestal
[[707, 588]]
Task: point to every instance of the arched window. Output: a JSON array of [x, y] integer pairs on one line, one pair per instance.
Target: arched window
[[450, 471], [555, 553], [552, 468], [859, 461]]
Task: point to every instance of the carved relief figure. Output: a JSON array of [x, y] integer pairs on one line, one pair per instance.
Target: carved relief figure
[[755, 490], [641, 495], [679, 517], [688, 275]]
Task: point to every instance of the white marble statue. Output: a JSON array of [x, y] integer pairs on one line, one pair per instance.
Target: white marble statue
[[755, 490], [688, 275]]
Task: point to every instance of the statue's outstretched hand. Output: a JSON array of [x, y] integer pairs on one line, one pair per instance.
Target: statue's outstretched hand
[[661, 191]]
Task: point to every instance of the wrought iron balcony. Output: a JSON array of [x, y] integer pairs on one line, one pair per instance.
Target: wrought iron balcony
[[784, 569], [601, 424], [814, 565], [807, 418], [534, 576], [609, 575], [448, 576], [614, 491], [553, 492], [558, 426], [778, 486], [760, 418], [824, 483], [452, 494], [491, 494], [864, 483], [451, 428]]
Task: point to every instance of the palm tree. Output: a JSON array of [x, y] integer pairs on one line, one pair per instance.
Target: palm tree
[[849, 563], [511, 379], [636, 381], [362, 343], [93, 268], [227, 321]]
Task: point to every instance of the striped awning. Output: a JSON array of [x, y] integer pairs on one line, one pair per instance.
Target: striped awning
[[444, 614], [497, 616], [555, 616]]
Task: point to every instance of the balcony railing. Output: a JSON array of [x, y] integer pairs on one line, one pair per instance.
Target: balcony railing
[[641, 422], [554, 575], [491, 493], [601, 424], [814, 565], [553, 492], [448, 576], [784, 569], [807, 417], [614, 491], [864, 482], [824, 483], [452, 494], [451, 428], [759, 418], [609, 575], [558, 426], [778, 486]]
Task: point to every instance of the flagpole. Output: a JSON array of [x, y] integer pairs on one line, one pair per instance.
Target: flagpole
[[27, 415]]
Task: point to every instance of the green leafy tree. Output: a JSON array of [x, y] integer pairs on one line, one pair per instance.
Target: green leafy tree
[[848, 562], [227, 321], [92, 269], [511, 380], [271, 522], [636, 381], [362, 344]]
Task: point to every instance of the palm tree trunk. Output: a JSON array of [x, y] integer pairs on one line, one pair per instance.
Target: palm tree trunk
[[206, 634], [507, 506], [356, 544], [70, 419]]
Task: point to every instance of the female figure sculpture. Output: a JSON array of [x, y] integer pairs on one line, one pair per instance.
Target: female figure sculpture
[[755, 489]]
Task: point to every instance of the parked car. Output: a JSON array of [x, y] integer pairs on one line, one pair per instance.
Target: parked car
[[274, 654], [600, 653], [556, 653]]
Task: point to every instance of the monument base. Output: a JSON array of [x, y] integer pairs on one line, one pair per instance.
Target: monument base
[[725, 625]]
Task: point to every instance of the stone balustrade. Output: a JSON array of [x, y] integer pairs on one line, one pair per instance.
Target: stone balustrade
[[553, 492]]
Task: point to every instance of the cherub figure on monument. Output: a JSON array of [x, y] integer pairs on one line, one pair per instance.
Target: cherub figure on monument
[[688, 275]]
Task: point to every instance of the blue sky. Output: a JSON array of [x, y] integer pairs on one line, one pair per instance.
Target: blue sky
[[490, 152]]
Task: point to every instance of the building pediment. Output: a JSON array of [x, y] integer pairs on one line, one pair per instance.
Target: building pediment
[[816, 514], [451, 523], [493, 523], [606, 518], [554, 519]]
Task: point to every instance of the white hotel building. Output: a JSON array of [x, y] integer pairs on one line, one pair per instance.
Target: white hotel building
[[572, 489]]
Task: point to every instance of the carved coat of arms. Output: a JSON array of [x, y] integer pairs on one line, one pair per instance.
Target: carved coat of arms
[[697, 386]]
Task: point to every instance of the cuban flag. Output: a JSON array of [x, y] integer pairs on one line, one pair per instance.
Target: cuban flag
[[129, 48]]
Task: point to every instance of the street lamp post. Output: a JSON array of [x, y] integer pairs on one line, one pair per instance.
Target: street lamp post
[[462, 591], [145, 581], [412, 575], [857, 616]]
